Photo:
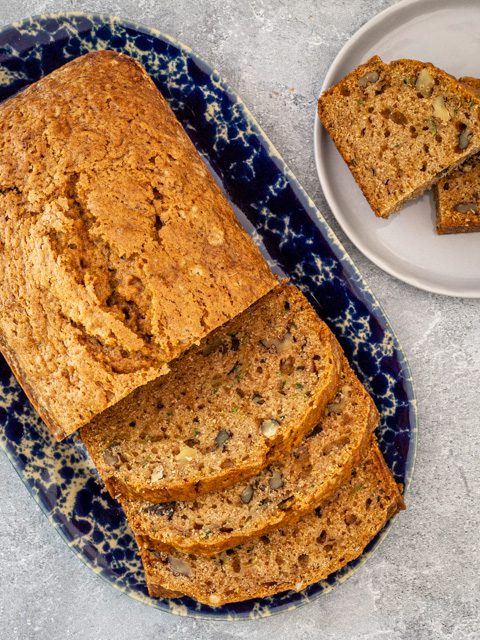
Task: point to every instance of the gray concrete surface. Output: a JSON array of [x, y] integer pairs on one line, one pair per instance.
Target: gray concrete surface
[[423, 583]]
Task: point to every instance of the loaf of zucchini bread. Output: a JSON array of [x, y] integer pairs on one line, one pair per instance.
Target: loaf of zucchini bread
[[117, 248]]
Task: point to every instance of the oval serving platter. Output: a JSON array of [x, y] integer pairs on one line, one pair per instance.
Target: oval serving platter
[[294, 238]]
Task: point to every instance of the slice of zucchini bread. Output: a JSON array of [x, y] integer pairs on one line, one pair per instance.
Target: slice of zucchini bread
[[248, 393], [457, 195], [289, 558], [280, 494], [400, 127]]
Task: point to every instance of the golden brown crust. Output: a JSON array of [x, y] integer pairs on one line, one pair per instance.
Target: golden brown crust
[[44, 414], [290, 558], [396, 141], [117, 248], [382, 469], [471, 84], [161, 592]]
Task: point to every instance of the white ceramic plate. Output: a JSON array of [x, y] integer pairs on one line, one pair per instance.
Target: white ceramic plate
[[447, 33]]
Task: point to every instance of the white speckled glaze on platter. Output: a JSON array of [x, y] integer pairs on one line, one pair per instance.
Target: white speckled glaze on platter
[[294, 238], [444, 32]]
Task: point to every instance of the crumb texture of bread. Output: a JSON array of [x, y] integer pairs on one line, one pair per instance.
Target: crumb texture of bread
[[117, 248], [295, 485], [288, 558], [457, 196], [249, 392], [457, 199], [400, 127]]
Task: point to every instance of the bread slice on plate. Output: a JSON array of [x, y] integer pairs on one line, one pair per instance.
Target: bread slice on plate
[[457, 196], [118, 250], [245, 395], [280, 494], [289, 558], [400, 127]]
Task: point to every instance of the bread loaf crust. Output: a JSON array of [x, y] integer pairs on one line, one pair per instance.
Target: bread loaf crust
[[117, 248]]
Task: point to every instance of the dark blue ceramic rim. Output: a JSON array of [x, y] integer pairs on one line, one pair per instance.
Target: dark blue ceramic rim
[[295, 239]]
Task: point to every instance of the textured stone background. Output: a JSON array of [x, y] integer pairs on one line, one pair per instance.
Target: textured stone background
[[423, 583]]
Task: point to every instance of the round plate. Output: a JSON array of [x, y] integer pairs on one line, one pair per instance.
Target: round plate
[[444, 32], [294, 238]]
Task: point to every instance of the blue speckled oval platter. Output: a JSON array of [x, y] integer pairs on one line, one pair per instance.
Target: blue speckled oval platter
[[295, 239]]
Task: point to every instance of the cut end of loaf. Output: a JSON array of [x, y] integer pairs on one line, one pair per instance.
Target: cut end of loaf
[[100, 237]]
